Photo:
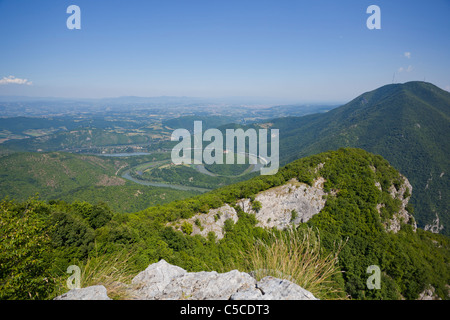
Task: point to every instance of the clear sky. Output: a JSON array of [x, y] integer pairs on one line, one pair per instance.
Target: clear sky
[[305, 51]]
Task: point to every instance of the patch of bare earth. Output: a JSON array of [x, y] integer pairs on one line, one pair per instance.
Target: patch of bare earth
[[108, 181]]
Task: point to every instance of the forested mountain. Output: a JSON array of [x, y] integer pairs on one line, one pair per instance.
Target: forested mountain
[[408, 124], [364, 220]]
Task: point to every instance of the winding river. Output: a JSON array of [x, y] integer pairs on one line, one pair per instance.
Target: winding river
[[126, 174], [200, 168]]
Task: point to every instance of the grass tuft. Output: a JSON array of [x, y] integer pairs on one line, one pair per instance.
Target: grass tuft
[[111, 271], [297, 255]]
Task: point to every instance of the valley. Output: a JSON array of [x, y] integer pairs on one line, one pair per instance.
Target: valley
[[408, 124], [369, 176], [135, 144]]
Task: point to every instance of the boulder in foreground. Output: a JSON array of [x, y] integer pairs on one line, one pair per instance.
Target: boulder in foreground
[[163, 281]]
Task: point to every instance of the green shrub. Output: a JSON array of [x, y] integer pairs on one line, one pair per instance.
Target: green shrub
[[187, 228]]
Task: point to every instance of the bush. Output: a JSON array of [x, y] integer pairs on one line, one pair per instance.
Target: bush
[[294, 215], [187, 228], [256, 205]]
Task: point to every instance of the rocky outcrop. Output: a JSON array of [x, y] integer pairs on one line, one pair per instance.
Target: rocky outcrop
[[270, 288], [434, 227], [402, 216], [213, 221], [429, 294], [403, 193], [294, 203], [153, 280], [291, 203], [89, 293], [163, 281]]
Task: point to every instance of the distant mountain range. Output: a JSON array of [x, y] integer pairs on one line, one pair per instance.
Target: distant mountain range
[[408, 124]]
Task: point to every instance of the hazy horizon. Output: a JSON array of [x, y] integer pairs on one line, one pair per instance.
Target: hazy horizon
[[284, 52], [229, 99]]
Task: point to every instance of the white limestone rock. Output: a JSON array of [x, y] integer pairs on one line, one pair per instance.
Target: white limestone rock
[[88, 293]]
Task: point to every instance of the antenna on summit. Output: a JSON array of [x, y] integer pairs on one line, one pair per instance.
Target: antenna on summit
[[393, 78]]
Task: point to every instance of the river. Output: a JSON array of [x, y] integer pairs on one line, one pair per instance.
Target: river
[[200, 168], [126, 175]]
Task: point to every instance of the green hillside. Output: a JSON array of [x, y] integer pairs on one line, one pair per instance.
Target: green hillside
[[52, 236], [72, 177], [408, 124]]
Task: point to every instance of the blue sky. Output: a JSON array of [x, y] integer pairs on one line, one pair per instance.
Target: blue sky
[[299, 51]]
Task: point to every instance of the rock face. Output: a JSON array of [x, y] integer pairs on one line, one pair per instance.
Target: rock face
[[279, 203], [89, 293], [428, 294], [270, 288], [434, 227], [153, 280], [213, 221], [402, 216], [291, 203], [163, 281]]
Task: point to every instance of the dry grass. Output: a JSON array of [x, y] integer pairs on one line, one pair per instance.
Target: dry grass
[[298, 257], [111, 271]]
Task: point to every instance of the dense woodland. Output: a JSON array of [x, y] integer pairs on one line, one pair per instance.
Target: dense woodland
[[40, 239], [408, 124]]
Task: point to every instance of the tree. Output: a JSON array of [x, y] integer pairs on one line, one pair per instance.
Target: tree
[[24, 251], [187, 228], [256, 205]]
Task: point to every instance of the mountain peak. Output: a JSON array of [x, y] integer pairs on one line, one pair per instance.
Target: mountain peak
[[408, 124], [424, 91]]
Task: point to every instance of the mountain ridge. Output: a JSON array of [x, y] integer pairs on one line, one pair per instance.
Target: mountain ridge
[[408, 124]]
